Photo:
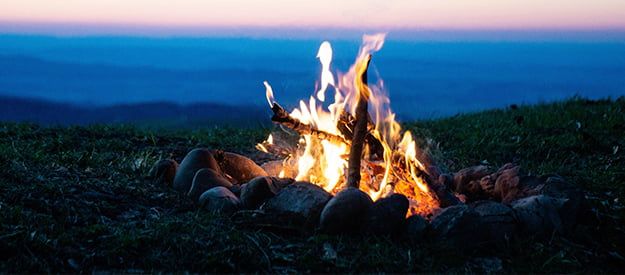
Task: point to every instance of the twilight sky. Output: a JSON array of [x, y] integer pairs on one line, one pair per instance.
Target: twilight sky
[[371, 14]]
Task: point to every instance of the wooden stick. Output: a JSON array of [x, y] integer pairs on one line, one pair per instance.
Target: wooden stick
[[360, 128], [282, 117], [346, 125]]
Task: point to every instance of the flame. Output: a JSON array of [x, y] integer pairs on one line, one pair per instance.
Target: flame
[[269, 94], [324, 162], [325, 57]]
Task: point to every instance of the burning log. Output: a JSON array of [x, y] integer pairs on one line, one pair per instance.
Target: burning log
[[360, 127], [282, 117], [346, 125]]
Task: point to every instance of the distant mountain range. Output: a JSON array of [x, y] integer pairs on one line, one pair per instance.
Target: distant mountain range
[[152, 114]]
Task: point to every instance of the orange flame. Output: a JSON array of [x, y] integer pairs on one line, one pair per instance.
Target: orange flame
[[324, 162]]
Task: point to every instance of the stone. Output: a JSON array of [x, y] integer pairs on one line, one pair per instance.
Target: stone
[[302, 202], [345, 212], [487, 185], [527, 186], [538, 215], [236, 189], [257, 191], [556, 187], [465, 176], [240, 168], [507, 184], [163, 172], [443, 190], [219, 200], [205, 179], [499, 219], [273, 168], [458, 225], [194, 161], [281, 182], [415, 228], [387, 215]]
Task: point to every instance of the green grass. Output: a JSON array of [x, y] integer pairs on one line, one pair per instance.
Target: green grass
[[75, 199]]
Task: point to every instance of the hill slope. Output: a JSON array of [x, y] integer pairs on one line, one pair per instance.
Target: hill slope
[[160, 114], [74, 199]]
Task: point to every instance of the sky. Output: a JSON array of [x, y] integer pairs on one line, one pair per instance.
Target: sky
[[110, 16]]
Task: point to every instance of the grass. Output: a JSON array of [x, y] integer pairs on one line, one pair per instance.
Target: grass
[[75, 199]]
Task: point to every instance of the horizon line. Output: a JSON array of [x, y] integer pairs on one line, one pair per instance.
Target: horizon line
[[91, 29]]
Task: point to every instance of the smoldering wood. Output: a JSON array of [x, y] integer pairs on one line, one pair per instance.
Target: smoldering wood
[[360, 129], [439, 188]]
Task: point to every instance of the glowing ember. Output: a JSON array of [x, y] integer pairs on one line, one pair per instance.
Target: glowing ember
[[391, 168]]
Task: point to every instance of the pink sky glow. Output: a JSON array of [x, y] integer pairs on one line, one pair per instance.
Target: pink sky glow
[[346, 14]]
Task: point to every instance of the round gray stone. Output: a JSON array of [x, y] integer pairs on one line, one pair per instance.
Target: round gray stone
[[345, 212], [257, 191], [387, 215], [459, 225], [538, 215], [301, 201], [194, 161], [163, 172], [499, 219], [205, 179], [219, 200]]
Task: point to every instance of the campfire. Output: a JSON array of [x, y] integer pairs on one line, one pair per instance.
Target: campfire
[[354, 141], [347, 166]]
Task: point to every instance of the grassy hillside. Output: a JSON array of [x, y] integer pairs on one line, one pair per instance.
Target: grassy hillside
[[75, 199]]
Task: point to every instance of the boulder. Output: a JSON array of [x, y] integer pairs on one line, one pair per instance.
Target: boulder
[[499, 220], [458, 225], [387, 215], [205, 179], [302, 202], [415, 228], [194, 161], [219, 200], [538, 215], [258, 191], [163, 172], [240, 168], [345, 212]]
